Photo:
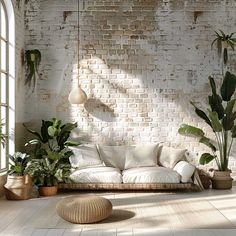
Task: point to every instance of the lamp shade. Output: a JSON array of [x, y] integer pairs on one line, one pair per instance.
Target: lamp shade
[[77, 96]]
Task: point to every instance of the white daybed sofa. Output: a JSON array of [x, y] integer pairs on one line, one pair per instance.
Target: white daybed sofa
[[153, 166]]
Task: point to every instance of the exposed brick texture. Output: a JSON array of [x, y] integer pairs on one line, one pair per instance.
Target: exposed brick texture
[[141, 62]]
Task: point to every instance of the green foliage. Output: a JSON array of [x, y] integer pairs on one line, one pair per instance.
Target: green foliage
[[228, 87], [223, 41], [221, 118], [2, 135], [52, 168], [191, 131], [32, 60], [50, 162], [206, 158], [18, 163]]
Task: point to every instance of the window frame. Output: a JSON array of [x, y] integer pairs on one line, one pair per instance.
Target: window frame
[[9, 73]]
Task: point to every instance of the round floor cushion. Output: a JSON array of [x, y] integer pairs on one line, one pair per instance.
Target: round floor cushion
[[84, 209]]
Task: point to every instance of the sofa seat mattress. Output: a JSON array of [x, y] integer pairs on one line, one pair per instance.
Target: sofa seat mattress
[[154, 174], [96, 175]]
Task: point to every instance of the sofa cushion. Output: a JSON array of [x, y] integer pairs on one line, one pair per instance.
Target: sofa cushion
[[150, 175], [185, 170], [85, 155], [113, 156], [141, 156], [168, 156], [96, 175]]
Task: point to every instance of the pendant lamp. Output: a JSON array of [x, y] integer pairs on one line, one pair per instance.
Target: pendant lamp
[[77, 95]]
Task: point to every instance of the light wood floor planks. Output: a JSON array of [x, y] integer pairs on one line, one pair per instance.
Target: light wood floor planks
[[134, 214]]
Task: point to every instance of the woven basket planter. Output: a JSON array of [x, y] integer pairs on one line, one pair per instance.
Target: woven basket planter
[[222, 180], [17, 187], [205, 178]]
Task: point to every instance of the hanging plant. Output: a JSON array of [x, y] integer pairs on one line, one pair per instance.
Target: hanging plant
[[223, 42], [32, 60]]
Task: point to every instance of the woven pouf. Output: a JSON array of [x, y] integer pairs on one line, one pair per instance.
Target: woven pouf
[[84, 209]]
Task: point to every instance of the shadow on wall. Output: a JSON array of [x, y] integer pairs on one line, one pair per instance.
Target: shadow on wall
[[100, 110]]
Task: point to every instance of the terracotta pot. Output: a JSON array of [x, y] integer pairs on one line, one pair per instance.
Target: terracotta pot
[[17, 187], [48, 191], [222, 180]]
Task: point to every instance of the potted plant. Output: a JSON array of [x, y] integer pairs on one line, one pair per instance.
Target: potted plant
[[32, 61], [50, 163], [220, 117], [223, 42], [18, 183]]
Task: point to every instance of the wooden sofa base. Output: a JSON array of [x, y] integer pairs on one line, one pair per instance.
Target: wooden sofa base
[[124, 186]]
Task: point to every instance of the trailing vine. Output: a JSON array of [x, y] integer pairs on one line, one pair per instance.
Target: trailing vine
[[32, 60]]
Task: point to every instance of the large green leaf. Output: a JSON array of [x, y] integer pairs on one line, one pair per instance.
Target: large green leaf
[[201, 114], [230, 116], [215, 102], [213, 85], [72, 143], [233, 131], [65, 133], [33, 142], [44, 130], [230, 106], [34, 133], [216, 125], [206, 158], [188, 130], [228, 86], [228, 121], [52, 131], [208, 143], [225, 55]]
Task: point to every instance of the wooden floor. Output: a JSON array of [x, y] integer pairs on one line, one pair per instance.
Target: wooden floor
[[134, 213]]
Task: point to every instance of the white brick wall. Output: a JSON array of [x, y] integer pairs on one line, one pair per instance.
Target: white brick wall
[[141, 61]]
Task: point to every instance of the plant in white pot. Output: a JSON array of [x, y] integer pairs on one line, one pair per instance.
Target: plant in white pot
[[18, 183], [50, 158], [220, 117]]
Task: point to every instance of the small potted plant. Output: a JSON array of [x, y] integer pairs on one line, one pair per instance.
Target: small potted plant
[[220, 118], [223, 42], [18, 183], [50, 163]]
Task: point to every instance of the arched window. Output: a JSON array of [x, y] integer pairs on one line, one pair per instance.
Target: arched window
[[7, 80]]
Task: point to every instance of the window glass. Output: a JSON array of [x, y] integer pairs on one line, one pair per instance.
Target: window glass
[[3, 23]]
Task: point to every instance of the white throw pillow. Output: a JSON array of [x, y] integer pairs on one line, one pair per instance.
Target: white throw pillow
[[85, 155], [185, 170], [141, 156], [168, 156], [113, 156]]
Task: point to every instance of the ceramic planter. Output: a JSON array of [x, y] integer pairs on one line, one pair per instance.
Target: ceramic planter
[[48, 191], [222, 180]]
